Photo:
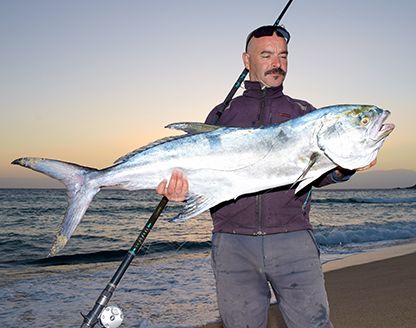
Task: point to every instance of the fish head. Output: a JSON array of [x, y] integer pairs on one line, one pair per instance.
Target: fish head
[[351, 135]]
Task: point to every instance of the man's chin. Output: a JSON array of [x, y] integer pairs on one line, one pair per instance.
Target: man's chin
[[271, 82]]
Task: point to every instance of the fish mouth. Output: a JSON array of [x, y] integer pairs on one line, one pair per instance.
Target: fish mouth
[[382, 130]]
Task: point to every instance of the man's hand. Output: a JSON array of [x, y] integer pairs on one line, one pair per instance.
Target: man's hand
[[368, 166], [177, 189], [340, 173]]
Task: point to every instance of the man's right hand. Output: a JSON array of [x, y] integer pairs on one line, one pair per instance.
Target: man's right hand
[[177, 189]]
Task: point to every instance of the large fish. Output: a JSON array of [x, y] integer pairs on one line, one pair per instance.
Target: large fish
[[222, 163]]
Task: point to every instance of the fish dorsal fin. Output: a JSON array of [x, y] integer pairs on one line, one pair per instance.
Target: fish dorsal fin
[[148, 146], [193, 127], [188, 127]]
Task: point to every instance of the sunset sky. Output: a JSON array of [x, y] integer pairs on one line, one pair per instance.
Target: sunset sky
[[88, 81]]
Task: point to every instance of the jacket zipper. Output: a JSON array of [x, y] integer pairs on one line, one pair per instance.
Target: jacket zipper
[[261, 120]]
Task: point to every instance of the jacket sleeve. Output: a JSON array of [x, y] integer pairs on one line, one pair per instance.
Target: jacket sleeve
[[212, 116], [331, 177]]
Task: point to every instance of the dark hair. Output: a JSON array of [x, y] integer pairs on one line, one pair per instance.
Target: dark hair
[[268, 30]]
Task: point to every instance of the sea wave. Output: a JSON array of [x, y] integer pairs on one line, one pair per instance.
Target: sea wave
[[367, 233], [358, 200], [116, 255]]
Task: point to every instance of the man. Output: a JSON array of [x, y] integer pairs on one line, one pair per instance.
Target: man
[[265, 238]]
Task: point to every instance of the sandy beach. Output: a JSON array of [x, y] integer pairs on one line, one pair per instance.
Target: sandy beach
[[376, 289]]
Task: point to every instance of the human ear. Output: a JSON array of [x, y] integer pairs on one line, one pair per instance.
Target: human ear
[[246, 60]]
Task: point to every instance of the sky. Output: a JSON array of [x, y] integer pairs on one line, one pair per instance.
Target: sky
[[88, 81]]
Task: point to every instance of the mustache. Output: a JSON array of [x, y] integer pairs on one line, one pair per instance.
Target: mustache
[[276, 70]]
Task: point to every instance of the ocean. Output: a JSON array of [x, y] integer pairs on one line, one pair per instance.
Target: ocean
[[170, 283]]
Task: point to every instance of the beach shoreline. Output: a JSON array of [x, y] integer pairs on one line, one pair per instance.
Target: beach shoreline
[[372, 289], [377, 254]]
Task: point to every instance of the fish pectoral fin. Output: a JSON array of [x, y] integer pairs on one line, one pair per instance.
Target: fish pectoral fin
[[193, 127], [195, 204], [312, 161]]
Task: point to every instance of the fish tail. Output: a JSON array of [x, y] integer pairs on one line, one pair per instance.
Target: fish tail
[[81, 189]]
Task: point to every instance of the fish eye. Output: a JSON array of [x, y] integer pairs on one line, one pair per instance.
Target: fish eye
[[365, 120]]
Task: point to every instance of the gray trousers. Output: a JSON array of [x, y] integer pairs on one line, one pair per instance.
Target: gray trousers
[[245, 265]]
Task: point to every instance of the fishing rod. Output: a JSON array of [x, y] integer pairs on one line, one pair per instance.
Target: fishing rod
[[115, 317], [111, 316]]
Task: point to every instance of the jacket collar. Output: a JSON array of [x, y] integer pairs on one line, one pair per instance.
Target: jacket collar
[[255, 89]]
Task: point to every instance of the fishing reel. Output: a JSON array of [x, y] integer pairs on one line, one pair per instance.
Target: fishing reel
[[111, 317]]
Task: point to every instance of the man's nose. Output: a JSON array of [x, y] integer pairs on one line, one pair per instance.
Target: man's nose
[[276, 62]]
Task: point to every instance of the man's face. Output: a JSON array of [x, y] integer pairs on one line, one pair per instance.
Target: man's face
[[266, 59]]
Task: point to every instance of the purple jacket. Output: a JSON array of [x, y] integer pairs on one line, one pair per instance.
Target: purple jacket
[[272, 211]]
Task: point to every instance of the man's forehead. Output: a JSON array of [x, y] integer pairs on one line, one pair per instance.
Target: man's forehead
[[271, 42]]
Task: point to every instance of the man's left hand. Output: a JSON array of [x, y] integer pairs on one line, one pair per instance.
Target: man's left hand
[[341, 172], [368, 166]]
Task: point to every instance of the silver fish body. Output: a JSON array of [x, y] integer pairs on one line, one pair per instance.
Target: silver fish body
[[222, 163]]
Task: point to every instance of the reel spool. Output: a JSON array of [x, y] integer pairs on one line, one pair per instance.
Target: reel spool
[[111, 317]]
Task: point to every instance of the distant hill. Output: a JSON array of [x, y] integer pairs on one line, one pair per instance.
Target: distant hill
[[379, 179], [412, 187]]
